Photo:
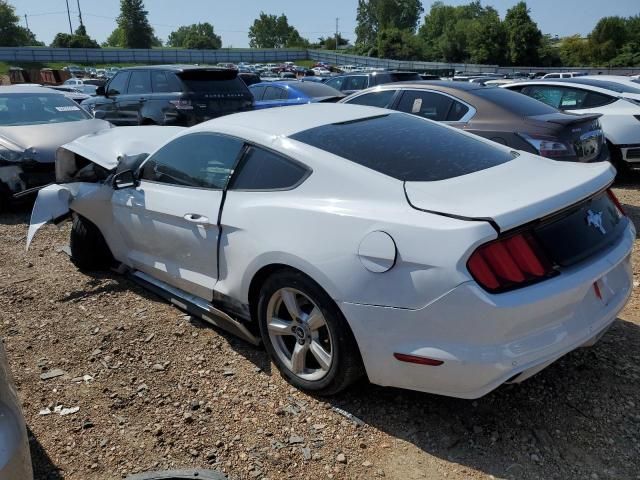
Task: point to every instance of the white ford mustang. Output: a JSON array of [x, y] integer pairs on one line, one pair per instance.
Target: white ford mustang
[[352, 240]]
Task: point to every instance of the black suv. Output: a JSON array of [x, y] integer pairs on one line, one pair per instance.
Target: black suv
[[353, 82], [170, 95]]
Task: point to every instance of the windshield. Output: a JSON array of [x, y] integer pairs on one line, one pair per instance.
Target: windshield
[[36, 108], [514, 102], [406, 147]]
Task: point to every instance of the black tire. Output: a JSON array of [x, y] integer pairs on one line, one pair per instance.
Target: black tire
[[89, 250], [346, 365], [622, 167]]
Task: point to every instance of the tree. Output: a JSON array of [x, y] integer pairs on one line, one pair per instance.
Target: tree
[[374, 16], [271, 31], [198, 36], [11, 33], [133, 30], [608, 37], [523, 36], [79, 39], [399, 44], [575, 51], [329, 43]]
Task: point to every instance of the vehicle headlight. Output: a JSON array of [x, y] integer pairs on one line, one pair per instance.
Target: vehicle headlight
[[8, 155]]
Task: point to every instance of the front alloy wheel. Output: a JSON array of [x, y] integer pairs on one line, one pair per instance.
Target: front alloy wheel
[[306, 335]]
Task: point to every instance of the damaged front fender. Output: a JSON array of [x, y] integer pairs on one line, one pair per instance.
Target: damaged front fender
[[53, 204]]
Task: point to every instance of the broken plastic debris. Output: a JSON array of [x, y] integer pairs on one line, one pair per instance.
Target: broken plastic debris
[[60, 410], [350, 416]]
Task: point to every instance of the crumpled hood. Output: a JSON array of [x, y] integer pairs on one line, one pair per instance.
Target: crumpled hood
[[107, 147], [41, 141]]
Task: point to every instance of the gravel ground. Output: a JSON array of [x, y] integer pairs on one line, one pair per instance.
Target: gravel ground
[[157, 389]]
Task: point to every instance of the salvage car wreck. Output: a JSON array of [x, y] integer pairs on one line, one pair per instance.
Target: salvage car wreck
[[354, 240]]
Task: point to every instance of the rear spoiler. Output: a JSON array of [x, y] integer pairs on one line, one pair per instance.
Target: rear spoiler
[[570, 119]]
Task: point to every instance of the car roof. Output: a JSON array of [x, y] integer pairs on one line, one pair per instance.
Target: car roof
[[284, 122], [442, 84], [28, 89], [175, 68]]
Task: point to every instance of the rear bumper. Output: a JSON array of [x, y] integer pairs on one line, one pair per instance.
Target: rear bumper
[[485, 340]]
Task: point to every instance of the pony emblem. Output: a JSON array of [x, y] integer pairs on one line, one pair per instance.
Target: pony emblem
[[594, 219]]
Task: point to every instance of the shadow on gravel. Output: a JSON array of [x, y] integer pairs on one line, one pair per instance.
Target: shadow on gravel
[[43, 466], [576, 418]]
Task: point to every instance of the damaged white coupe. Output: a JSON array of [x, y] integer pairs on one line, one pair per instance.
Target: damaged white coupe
[[353, 240]]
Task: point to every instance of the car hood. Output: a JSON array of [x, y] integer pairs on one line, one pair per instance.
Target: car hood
[[107, 147], [513, 193], [40, 142]]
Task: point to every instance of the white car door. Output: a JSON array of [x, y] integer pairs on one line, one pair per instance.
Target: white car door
[[169, 222]]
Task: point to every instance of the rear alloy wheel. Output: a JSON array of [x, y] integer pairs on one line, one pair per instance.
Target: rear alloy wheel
[[306, 335]]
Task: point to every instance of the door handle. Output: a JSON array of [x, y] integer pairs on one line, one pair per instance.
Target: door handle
[[196, 218], [142, 99]]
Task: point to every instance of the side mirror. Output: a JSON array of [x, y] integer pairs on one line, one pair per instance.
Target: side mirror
[[100, 91], [124, 179]]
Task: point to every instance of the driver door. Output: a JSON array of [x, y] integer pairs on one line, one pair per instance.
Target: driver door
[[169, 222]]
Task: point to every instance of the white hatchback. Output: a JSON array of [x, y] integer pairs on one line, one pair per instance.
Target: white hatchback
[[352, 240]]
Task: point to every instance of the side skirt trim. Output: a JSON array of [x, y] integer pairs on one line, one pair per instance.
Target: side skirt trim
[[195, 306]]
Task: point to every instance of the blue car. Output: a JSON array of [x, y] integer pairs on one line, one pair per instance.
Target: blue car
[[283, 94]]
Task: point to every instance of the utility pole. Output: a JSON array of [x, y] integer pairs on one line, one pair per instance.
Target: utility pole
[[69, 15], [80, 14], [26, 20], [337, 32]]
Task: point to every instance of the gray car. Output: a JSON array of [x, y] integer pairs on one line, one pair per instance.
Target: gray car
[[15, 459], [34, 122]]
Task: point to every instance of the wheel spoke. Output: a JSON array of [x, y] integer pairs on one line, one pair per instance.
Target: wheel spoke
[[321, 355], [290, 301], [277, 326], [315, 320], [298, 358]]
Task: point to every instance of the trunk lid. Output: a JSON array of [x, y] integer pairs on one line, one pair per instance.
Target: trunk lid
[[513, 193], [582, 132]]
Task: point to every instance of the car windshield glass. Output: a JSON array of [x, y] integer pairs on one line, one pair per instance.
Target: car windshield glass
[[406, 147], [514, 102], [214, 82], [36, 108], [315, 90]]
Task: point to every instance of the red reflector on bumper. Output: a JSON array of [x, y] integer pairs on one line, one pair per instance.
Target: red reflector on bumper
[[416, 359]]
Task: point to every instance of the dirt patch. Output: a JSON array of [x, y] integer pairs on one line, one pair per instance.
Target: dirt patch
[[157, 389]]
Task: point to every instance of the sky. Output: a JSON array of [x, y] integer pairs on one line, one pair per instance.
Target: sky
[[312, 18]]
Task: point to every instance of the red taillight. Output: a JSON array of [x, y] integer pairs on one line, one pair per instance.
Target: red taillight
[[508, 263], [616, 202]]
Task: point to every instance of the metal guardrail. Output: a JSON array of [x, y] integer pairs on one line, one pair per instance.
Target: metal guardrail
[[157, 56], [251, 55]]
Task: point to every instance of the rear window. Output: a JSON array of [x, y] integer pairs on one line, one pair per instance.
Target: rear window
[[213, 81], [514, 102], [36, 108], [405, 147], [613, 86], [315, 90], [391, 77]]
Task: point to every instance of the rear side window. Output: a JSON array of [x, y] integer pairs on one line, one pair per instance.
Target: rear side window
[[275, 93], [359, 82], [335, 83], [265, 170], [432, 106], [406, 147], [224, 83], [595, 99], [381, 99], [514, 102], [140, 82], [257, 92], [457, 111], [164, 82]]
